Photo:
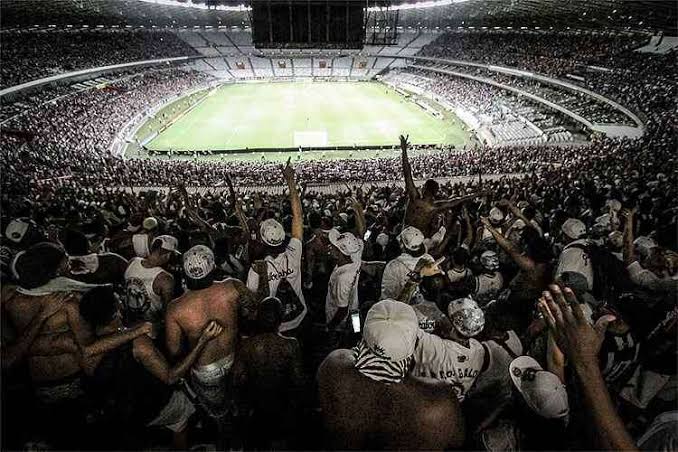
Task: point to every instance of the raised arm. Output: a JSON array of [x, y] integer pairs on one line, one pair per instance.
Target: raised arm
[[468, 240], [454, 202], [581, 342], [360, 224], [242, 219], [628, 252], [522, 261], [295, 201], [193, 214], [411, 189], [146, 353]]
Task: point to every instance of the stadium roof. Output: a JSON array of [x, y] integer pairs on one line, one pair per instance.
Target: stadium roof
[[594, 14]]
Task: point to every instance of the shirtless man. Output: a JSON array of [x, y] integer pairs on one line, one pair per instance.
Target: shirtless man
[[187, 317], [63, 346], [369, 401], [422, 208], [268, 381]]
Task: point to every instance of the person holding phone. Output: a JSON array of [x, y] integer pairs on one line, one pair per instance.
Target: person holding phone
[[342, 290]]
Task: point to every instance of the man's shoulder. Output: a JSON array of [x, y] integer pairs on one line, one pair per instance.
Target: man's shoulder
[[338, 360]]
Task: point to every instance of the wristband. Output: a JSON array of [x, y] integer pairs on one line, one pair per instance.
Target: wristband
[[414, 276]]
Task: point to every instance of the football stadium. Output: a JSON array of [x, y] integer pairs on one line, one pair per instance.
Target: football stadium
[[334, 116], [339, 225]]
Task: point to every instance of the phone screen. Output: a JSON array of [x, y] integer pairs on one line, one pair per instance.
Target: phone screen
[[355, 321]]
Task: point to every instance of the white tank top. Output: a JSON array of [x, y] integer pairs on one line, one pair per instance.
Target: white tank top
[[488, 286], [141, 299], [448, 361]]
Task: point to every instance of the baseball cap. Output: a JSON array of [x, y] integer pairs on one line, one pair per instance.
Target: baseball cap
[[496, 214], [168, 242], [198, 262], [542, 390], [573, 228], [150, 223], [16, 230], [412, 239], [613, 204], [518, 224], [644, 245], [347, 243], [272, 232], [390, 330], [466, 316]]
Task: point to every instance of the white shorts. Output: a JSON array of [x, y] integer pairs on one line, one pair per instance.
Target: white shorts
[[175, 415]]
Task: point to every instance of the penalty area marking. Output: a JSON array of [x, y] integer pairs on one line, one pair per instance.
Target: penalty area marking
[[310, 138]]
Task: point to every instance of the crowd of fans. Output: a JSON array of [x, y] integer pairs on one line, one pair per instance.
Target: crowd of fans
[[30, 55], [535, 311]]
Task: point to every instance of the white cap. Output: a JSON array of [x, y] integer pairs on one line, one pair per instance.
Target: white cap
[[573, 228], [496, 214], [644, 245], [390, 330], [518, 224], [150, 223], [613, 204], [466, 316], [543, 391], [169, 243], [344, 217], [16, 229], [616, 238], [272, 233], [411, 239], [489, 260], [347, 243], [198, 262]]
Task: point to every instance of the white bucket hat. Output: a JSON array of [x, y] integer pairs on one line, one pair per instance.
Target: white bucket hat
[[272, 232], [466, 316], [412, 239], [347, 243], [198, 262], [573, 228]]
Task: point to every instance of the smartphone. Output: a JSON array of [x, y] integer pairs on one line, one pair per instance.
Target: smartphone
[[355, 322]]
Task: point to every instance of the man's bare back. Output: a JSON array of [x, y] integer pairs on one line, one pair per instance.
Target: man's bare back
[[189, 314], [361, 413], [420, 213], [54, 354]]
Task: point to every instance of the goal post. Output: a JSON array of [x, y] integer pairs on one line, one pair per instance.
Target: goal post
[[310, 138]]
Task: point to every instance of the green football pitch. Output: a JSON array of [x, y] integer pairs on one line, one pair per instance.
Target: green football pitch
[[278, 115]]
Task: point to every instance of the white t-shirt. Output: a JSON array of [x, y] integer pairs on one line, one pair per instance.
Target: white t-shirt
[[448, 361], [284, 281], [488, 287], [574, 259], [342, 291], [395, 273]]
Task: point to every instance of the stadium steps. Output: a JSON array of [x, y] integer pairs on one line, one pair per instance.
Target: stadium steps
[[232, 42]]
